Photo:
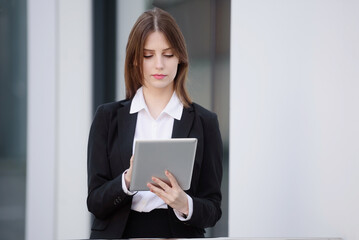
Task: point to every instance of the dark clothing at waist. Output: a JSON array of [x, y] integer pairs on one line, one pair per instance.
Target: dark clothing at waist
[[154, 224]]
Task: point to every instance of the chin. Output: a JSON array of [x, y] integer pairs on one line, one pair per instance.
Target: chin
[[160, 85]]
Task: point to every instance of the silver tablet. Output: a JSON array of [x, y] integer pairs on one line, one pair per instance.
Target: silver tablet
[[153, 157]]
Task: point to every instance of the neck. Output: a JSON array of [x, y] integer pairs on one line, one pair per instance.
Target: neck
[[157, 99]]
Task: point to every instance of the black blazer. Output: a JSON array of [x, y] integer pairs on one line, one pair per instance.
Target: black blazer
[[109, 153]]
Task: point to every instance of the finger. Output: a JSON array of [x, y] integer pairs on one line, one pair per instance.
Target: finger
[[131, 162], [128, 174], [158, 191], [172, 179], [162, 184]]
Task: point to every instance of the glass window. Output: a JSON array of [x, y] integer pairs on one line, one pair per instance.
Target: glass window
[[12, 118], [206, 28]]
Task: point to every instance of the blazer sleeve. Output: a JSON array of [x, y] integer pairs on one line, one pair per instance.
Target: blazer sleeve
[[105, 194], [207, 202]]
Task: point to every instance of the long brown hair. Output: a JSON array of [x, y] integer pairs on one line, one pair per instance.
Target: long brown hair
[[150, 21]]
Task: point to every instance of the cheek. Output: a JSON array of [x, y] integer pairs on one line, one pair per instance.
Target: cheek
[[174, 66], [145, 68]]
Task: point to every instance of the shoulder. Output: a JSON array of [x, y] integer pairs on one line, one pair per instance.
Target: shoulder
[[208, 119], [113, 106], [108, 112], [209, 123], [203, 112]]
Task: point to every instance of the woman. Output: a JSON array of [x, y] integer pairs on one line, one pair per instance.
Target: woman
[[157, 106]]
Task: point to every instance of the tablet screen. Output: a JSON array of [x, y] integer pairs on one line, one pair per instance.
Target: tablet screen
[[154, 157]]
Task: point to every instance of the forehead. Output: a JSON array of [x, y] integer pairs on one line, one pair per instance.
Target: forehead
[[156, 40]]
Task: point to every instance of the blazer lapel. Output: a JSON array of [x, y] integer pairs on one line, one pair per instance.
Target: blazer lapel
[[127, 127], [181, 128], [126, 132]]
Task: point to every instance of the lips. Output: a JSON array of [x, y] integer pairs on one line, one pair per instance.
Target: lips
[[159, 76]]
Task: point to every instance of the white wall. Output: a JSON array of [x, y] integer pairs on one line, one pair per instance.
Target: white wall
[[294, 132], [59, 117]]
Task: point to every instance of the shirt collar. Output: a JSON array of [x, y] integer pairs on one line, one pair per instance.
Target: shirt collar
[[173, 108], [138, 102]]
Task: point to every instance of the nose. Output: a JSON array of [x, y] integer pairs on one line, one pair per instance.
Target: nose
[[159, 62]]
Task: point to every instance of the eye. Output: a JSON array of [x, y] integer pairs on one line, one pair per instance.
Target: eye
[[168, 55], [147, 56]]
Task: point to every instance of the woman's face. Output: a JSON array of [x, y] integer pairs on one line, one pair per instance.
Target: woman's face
[[159, 62]]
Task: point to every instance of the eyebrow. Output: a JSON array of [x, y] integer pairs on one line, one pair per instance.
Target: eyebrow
[[150, 50]]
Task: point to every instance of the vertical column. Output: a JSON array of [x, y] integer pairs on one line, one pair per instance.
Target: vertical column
[[59, 118], [294, 119], [74, 102], [42, 123]]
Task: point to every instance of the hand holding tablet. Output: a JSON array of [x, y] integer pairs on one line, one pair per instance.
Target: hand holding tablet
[[172, 194]]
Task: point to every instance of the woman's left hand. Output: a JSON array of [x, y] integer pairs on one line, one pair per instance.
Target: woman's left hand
[[171, 194]]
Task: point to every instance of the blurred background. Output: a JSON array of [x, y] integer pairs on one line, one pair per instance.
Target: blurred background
[[78, 52], [283, 77]]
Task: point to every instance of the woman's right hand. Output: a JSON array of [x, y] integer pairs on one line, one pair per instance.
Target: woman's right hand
[[128, 174]]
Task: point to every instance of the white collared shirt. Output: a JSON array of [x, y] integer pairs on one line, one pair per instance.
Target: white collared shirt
[[149, 128]]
